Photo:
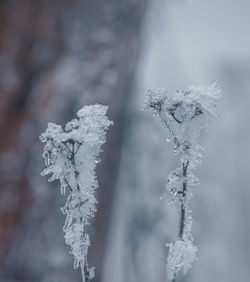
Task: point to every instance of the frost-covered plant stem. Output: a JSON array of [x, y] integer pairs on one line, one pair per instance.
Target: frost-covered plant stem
[[184, 114], [85, 272], [183, 192], [71, 155], [85, 269]]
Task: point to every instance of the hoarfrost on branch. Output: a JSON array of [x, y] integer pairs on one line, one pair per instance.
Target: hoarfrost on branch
[[71, 155], [184, 114]]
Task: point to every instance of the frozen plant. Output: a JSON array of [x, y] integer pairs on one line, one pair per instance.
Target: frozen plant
[[184, 114], [71, 155]]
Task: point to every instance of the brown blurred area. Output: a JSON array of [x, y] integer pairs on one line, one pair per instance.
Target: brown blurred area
[[55, 57]]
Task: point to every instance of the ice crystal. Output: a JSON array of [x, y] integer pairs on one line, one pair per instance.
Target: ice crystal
[[71, 155], [181, 256]]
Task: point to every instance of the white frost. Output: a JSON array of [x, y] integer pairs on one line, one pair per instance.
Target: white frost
[[71, 155], [184, 114], [181, 256]]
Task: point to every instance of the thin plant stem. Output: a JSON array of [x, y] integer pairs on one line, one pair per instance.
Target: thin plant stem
[[184, 193]]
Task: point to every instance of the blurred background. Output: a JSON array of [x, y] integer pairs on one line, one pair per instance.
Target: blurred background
[[55, 57]]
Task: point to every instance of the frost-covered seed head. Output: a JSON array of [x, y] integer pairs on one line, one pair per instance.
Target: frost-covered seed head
[[185, 113]]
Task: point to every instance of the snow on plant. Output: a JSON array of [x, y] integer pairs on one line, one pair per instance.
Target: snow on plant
[[184, 114], [71, 155]]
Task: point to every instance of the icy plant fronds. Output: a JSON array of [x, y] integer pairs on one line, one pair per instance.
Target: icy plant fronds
[[71, 155], [184, 114]]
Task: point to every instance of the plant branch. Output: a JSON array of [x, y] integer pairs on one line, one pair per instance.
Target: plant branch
[[184, 193]]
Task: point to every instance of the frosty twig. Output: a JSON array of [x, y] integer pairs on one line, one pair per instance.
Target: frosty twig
[[71, 155], [184, 115]]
